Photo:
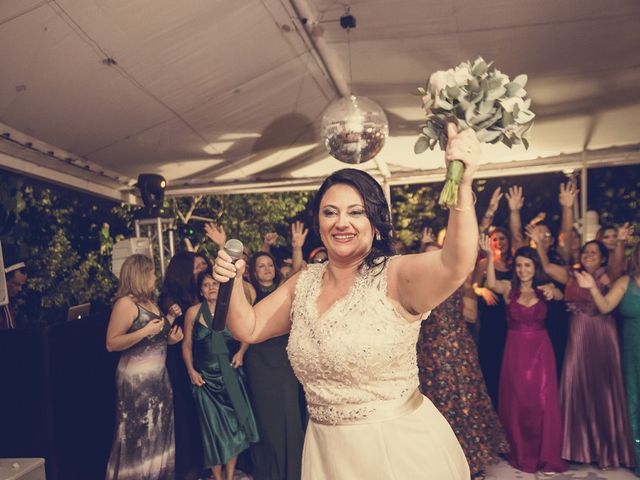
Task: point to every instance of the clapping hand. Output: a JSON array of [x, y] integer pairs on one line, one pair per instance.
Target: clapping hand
[[585, 280], [547, 290], [535, 233], [175, 335]]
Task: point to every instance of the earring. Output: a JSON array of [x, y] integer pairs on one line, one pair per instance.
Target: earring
[[378, 236]]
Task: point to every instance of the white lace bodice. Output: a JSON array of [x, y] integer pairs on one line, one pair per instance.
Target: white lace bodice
[[360, 353]]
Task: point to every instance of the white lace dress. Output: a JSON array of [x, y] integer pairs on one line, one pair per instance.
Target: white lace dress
[[357, 363]]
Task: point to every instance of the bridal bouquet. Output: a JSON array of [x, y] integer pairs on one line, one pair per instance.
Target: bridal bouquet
[[472, 95]]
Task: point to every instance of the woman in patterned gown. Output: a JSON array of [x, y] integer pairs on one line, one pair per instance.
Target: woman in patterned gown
[[354, 323], [450, 376], [226, 419], [594, 407], [625, 293], [143, 444]]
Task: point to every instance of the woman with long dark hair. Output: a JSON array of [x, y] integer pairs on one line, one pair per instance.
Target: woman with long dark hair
[[529, 404], [354, 323], [179, 287]]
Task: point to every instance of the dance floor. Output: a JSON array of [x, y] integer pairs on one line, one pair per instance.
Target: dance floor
[[504, 471]]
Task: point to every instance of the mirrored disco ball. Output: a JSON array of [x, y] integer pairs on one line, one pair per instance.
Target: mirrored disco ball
[[354, 129]]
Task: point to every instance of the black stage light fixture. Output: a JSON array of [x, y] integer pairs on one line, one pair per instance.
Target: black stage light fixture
[[151, 188]]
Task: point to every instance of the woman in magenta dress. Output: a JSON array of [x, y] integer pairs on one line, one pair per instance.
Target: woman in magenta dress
[[529, 404], [596, 423]]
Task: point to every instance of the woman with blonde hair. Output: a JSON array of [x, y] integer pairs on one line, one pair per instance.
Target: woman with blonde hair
[[143, 443]]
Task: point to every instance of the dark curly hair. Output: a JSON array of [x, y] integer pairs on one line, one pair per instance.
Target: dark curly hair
[[375, 206]]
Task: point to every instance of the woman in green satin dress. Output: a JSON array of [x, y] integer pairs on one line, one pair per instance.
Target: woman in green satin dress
[[625, 294], [227, 423]]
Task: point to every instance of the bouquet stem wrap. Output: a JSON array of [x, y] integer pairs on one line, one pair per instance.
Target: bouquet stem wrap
[[449, 193]]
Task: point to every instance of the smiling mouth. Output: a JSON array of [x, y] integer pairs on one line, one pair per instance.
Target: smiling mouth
[[344, 236]]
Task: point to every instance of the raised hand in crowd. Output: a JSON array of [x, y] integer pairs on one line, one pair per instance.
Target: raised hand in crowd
[[568, 244], [616, 266], [515, 200], [555, 271], [216, 234], [298, 237], [269, 240], [428, 238], [489, 297], [494, 203]]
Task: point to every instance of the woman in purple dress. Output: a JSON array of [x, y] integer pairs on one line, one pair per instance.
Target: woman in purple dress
[[596, 423], [529, 404]]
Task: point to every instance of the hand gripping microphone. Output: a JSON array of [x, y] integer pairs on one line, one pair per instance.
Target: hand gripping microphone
[[234, 249]]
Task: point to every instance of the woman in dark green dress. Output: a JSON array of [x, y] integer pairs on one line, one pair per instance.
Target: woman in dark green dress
[[226, 419]]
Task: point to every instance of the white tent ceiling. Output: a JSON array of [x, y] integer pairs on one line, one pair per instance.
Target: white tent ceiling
[[226, 96]]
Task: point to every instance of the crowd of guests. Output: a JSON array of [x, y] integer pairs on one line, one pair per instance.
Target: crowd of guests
[[524, 360]]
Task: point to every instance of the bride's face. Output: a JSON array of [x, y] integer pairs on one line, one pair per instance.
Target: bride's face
[[345, 229]]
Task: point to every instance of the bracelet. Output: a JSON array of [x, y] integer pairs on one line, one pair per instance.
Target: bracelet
[[475, 199]]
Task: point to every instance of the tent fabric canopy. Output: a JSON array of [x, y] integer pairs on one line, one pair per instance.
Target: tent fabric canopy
[[228, 96]]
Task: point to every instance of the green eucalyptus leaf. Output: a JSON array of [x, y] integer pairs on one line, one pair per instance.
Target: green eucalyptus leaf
[[524, 116], [481, 117], [453, 92], [507, 118], [494, 83], [487, 136], [421, 91], [421, 145], [429, 131], [496, 93], [480, 67], [443, 142], [490, 121], [521, 80], [525, 142], [507, 141], [486, 107]]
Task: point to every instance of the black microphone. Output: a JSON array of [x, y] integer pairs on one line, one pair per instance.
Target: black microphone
[[234, 249]]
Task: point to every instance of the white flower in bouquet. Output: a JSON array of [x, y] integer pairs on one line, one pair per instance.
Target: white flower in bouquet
[[473, 96]]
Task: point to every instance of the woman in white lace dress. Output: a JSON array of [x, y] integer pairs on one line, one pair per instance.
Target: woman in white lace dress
[[354, 322]]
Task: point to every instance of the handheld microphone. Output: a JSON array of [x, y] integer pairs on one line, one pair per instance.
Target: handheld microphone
[[234, 249]]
